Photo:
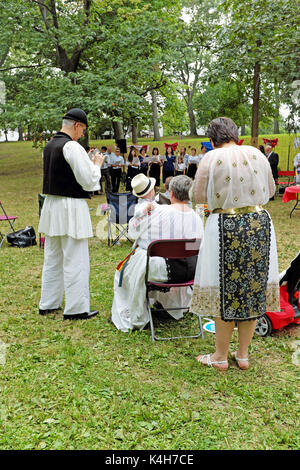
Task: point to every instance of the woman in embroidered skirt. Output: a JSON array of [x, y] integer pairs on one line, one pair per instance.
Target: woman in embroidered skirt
[[237, 277]]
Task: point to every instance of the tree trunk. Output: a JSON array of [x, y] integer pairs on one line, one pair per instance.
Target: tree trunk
[[193, 128], [155, 116], [243, 129], [20, 131], [255, 105], [134, 133], [118, 130], [277, 114]]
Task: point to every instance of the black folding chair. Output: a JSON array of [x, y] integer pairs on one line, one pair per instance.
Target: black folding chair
[[10, 219], [120, 211], [170, 249]]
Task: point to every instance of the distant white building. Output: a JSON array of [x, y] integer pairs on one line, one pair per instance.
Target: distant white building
[[12, 136]]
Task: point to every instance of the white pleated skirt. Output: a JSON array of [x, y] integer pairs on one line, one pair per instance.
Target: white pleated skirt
[[62, 216]]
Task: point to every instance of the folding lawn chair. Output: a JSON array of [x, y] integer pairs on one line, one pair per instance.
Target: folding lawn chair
[[163, 199], [120, 211], [41, 199], [289, 180], [10, 219], [170, 249]]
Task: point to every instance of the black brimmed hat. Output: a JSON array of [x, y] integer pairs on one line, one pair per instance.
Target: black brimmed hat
[[78, 115]]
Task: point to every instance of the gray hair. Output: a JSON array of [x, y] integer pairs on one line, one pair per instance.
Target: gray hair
[[221, 130], [68, 123], [180, 186]]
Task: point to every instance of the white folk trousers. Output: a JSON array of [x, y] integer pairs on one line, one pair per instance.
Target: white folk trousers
[[66, 270]]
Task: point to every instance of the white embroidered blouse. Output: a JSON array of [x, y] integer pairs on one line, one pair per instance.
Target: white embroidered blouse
[[233, 176]]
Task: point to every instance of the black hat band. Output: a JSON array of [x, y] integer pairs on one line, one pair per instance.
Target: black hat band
[[145, 190]]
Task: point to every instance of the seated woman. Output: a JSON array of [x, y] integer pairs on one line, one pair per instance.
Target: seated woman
[[151, 222]]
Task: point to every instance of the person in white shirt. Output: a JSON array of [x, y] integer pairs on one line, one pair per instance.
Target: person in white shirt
[[152, 221], [69, 178], [193, 161], [117, 166], [297, 167], [180, 167], [105, 171]]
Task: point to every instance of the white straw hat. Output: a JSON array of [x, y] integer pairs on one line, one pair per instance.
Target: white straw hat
[[141, 185]]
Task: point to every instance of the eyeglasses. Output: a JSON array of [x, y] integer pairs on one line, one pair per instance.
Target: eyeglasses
[[82, 125]]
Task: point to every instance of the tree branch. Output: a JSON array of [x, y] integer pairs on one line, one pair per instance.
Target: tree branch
[[22, 67]]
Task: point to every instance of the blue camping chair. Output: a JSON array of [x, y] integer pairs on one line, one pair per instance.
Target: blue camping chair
[[120, 211], [207, 145]]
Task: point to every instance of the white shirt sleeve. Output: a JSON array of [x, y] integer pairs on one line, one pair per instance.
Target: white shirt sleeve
[[86, 173]]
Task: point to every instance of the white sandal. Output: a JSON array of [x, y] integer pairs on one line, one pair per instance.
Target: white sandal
[[211, 363], [241, 359]]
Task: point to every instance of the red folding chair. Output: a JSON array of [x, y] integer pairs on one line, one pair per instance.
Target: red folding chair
[[170, 249], [289, 175], [10, 219]]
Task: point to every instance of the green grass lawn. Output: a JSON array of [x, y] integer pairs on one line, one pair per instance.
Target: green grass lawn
[[85, 385]]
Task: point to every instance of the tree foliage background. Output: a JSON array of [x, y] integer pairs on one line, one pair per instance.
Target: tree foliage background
[[130, 63]]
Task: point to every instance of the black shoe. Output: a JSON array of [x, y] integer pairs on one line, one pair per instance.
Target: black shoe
[[81, 316], [162, 314], [49, 310]]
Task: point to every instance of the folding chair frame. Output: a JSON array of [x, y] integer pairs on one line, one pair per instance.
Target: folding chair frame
[[10, 219], [284, 184], [122, 232], [122, 228], [158, 248]]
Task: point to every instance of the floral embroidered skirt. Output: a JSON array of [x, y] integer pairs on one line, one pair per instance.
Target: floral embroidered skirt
[[237, 274]]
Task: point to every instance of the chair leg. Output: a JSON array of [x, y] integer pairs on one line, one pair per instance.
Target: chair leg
[[156, 338], [3, 237], [200, 326], [2, 240]]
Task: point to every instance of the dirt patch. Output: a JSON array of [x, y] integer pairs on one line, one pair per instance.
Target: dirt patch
[[290, 330]]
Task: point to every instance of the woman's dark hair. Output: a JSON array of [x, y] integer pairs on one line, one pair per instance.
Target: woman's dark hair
[[155, 148], [172, 151], [222, 130], [262, 149], [130, 156]]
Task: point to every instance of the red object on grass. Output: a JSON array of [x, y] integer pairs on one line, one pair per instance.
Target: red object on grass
[[287, 313]]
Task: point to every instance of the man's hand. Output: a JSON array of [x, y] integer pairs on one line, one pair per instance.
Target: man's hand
[[150, 207], [98, 159]]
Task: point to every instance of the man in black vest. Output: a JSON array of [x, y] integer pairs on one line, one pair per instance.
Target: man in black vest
[[69, 178], [273, 160]]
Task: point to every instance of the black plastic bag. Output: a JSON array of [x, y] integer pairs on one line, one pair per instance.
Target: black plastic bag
[[22, 238]]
